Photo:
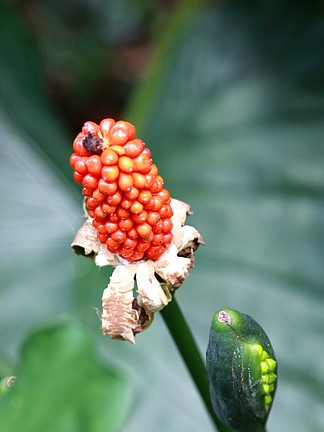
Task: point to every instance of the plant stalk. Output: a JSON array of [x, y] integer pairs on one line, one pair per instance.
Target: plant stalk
[[189, 351]]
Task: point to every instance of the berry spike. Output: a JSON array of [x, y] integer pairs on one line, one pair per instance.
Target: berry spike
[[122, 189]]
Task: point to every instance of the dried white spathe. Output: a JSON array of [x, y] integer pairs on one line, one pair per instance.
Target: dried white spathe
[[124, 314]]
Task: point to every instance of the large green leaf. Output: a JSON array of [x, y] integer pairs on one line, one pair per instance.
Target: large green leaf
[[61, 387]]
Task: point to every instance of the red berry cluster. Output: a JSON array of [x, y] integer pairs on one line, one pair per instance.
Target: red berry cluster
[[124, 192]]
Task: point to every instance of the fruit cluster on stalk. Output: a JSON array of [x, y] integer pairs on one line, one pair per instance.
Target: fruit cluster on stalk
[[125, 195]]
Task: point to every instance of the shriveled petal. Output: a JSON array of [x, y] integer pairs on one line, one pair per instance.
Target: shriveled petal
[[173, 269], [119, 319], [104, 257], [152, 296], [86, 241]]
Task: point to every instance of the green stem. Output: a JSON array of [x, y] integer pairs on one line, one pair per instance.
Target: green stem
[[188, 349]]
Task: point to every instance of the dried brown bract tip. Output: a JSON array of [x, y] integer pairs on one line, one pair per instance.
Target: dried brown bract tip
[[93, 144]]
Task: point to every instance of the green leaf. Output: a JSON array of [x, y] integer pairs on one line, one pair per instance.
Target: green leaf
[[63, 386]]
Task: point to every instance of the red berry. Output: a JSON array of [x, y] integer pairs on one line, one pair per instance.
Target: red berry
[[109, 157], [78, 177], [73, 159], [78, 146], [110, 173], [106, 125], [125, 182], [126, 224], [134, 148], [107, 188], [90, 127], [90, 182], [94, 165]]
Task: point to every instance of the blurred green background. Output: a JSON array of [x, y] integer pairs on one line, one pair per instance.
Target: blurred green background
[[229, 96]]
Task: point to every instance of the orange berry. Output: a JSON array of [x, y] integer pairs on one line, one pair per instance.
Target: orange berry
[[157, 186], [132, 234], [132, 194], [130, 243], [91, 203], [134, 148], [154, 170], [169, 212], [153, 218], [111, 227], [136, 207], [142, 164], [90, 182], [154, 252], [115, 199], [140, 218], [109, 157], [109, 209], [118, 149], [123, 213], [102, 237], [122, 129], [78, 177], [125, 182], [126, 252], [126, 204], [81, 166], [94, 165], [126, 224], [73, 159], [164, 194], [98, 196], [112, 245], [101, 228], [113, 218], [147, 152], [110, 173], [96, 223], [99, 214], [145, 196], [142, 246], [167, 225], [78, 146], [158, 239], [144, 229], [107, 188], [105, 126], [86, 192], [156, 228], [139, 180], [168, 238], [150, 178], [155, 204], [126, 164], [90, 127], [119, 236], [136, 256]]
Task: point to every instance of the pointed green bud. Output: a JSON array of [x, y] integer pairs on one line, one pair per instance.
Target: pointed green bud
[[241, 367]]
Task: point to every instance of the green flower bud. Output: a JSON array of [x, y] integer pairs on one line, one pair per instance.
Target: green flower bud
[[241, 367]]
